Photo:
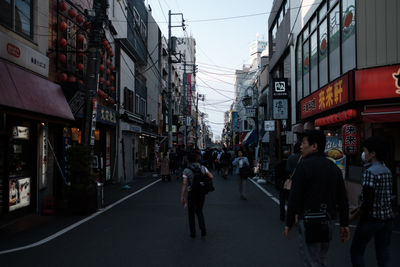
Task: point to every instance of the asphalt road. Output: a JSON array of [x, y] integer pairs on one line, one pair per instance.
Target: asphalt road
[[151, 229]]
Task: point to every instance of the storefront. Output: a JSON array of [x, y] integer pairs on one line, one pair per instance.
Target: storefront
[[33, 112]]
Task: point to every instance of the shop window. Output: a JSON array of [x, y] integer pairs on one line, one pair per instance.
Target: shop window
[[323, 53], [306, 68], [18, 16], [76, 135], [314, 62], [348, 35], [334, 43]]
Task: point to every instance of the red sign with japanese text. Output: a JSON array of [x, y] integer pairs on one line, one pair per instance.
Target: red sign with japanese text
[[332, 95], [378, 83], [351, 139]]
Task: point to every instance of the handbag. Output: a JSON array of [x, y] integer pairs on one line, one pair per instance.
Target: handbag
[[317, 229], [288, 182]]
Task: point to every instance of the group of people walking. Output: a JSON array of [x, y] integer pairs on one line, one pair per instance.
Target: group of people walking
[[312, 197]]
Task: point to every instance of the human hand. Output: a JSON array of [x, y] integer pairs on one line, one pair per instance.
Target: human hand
[[286, 231], [344, 233]]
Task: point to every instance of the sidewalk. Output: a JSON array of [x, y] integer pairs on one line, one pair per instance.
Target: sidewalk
[[32, 228]]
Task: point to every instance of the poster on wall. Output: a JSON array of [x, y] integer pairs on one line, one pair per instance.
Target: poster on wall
[[334, 151], [20, 192]]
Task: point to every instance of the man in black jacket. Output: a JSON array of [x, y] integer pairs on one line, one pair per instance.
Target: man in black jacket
[[317, 187]]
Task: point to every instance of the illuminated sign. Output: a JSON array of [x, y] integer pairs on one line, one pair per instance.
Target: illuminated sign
[[331, 96]]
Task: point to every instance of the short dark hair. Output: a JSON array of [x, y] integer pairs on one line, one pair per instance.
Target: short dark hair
[[316, 137], [377, 145], [192, 157]]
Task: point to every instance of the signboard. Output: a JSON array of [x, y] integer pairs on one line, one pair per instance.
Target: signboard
[[235, 121], [331, 96], [93, 124], [43, 157], [351, 139], [77, 102], [22, 55], [20, 132], [269, 126], [280, 109], [280, 88], [378, 83], [250, 112], [106, 115], [108, 155], [334, 151], [20, 192]]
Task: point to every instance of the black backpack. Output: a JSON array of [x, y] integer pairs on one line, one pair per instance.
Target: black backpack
[[201, 183]]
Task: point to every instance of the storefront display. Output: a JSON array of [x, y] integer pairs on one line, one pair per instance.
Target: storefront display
[[20, 192]]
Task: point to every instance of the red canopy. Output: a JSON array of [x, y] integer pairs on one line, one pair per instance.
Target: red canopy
[[381, 114]]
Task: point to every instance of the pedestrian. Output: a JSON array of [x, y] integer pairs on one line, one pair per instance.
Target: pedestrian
[[165, 170], [375, 212], [280, 178], [317, 192], [195, 199], [242, 169], [225, 161]]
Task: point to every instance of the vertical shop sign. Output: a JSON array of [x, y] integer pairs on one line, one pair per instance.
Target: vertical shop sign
[[350, 139], [93, 125], [43, 157], [108, 155]]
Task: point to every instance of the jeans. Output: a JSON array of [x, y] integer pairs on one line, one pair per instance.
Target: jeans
[[313, 254], [195, 207], [283, 197], [365, 231]]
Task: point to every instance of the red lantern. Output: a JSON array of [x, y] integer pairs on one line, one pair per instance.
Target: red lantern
[[80, 53], [80, 19], [112, 89], [62, 42], [71, 79], [87, 25], [101, 80], [80, 67], [80, 37], [62, 6], [107, 71], [63, 26], [108, 83], [62, 77], [112, 67], [72, 13], [105, 42], [101, 56], [62, 58], [101, 67], [80, 81], [112, 78], [108, 62]]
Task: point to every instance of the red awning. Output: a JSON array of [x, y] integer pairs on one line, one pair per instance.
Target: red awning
[[381, 114], [26, 91]]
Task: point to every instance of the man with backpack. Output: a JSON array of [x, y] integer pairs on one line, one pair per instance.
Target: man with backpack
[[196, 184]]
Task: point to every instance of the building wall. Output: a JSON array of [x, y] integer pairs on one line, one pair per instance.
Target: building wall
[[153, 73], [378, 32]]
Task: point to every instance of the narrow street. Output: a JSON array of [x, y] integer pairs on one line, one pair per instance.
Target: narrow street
[[150, 229]]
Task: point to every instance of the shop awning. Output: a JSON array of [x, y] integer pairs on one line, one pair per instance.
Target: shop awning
[[381, 114], [250, 138], [26, 91]]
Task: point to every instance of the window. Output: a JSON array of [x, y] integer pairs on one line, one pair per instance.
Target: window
[[348, 35], [286, 7], [280, 17], [313, 23], [334, 43], [137, 98], [322, 11], [128, 99], [323, 53], [299, 74], [314, 62], [306, 68], [18, 15], [143, 30]]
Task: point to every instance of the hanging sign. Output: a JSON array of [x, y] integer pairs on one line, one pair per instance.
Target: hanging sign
[[350, 139]]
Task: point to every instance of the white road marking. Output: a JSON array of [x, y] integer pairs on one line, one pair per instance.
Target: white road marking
[[69, 228], [277, 202]]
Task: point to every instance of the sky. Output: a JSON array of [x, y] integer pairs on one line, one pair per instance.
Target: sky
[[222, 44]]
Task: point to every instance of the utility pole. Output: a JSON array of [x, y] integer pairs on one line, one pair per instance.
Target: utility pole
[[99, 8], [169, 76], [184, 102]]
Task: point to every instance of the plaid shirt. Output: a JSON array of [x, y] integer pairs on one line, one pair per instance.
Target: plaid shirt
[[379, 177]]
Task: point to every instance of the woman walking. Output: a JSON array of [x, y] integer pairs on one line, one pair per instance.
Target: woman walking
[[242, 168], [165, 170]]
